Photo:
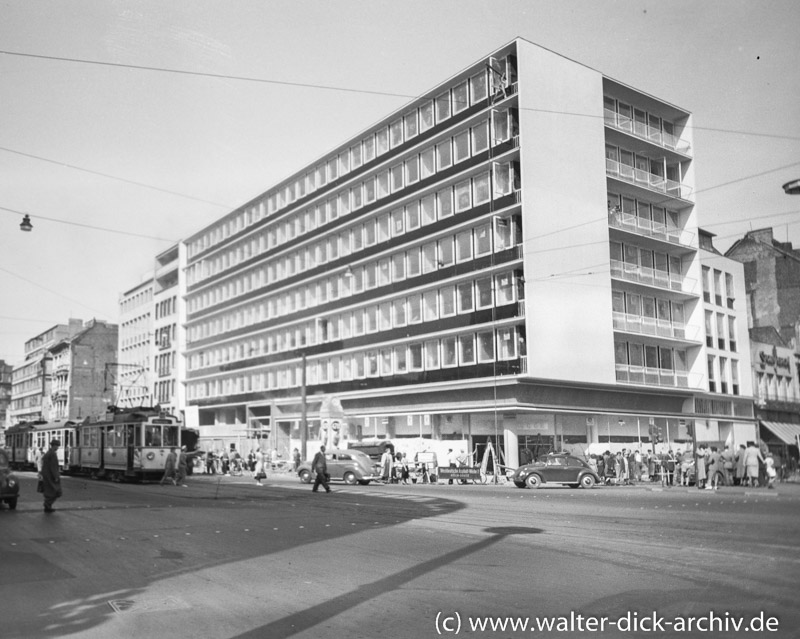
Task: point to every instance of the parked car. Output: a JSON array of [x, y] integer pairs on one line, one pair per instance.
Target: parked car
[[9, 485], [349, 466], [558, 468]]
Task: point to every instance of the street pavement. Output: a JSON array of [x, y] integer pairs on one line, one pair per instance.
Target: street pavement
[[224, 558]]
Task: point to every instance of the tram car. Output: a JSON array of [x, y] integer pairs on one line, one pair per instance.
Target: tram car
[[127, 445], [27, 442]]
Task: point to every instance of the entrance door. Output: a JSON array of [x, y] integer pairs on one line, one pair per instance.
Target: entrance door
[[531, 447]]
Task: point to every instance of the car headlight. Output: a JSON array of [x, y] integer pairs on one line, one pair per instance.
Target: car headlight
[[12, 482]]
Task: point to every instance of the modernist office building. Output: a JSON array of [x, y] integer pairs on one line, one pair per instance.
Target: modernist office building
[[513, 257]]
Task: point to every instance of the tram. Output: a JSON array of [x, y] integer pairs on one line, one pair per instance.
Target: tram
[[27, 442], [130, 444]]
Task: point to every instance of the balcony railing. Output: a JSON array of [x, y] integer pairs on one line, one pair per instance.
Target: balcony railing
[[646, 132], [629, 221], [653, 277], [643, 375], [653, 326], [647, 180]]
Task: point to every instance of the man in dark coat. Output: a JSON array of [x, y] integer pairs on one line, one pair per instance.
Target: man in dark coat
[[320, 466], [51, 476]]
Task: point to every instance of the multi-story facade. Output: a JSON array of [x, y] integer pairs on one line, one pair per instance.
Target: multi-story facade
[[168, 391], [81, 385], [772, 280], [133, 377], [513, 258], [32, 378]]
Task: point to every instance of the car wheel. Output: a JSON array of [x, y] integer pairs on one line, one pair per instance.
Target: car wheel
[[12, 503], [305, 476], [533, 481], [349, 478], [519, 484], [587, 481]]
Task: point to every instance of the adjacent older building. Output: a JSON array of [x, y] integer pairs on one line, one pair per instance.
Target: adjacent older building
[[81, 385], [514, 258]]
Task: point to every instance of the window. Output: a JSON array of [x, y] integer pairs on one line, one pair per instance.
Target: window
[[464, 246], [460, 97], [355, 154], [414, 309], [430, 305], [399, 312], [428, 206], [400, 360], [432, 355], [483, 240], [480, 188], [429, 262], [398, 223], [427, 166], [485, 342], [445, 251], [412, 170], [398, 267], [426, 116], [466, 303], [444, 155], [369, 149], [447, 301], [382, 184], [466, 349], [461, 147], [443, 106], [449, 358], [444, 200], [382, 141], [410, 125], [369, 190], [483, 287], [397, 173], [480, 137], [412, 215], [477, 85], [415, 357], [463, 196], [504, 285]]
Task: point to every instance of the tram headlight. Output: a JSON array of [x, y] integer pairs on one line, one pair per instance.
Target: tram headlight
[[150, 456]]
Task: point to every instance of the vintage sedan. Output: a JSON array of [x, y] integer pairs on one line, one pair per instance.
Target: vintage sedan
[[9, 485], [558, 469], [349, 466]]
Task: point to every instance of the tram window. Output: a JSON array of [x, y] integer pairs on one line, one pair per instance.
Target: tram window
[[130, 434], [152, 436], [171, 435]]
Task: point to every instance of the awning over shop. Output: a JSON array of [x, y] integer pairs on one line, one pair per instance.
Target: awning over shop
[[787, 433]]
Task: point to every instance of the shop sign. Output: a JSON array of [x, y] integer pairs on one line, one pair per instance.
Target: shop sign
[[772, 359], [463, 472]]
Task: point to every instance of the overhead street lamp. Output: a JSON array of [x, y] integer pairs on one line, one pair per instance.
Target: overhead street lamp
[[26, 225], [792, 188]]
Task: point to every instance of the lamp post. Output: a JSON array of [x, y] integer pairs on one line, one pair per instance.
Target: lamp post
[[303, 413], [790, 188], [26, 225]]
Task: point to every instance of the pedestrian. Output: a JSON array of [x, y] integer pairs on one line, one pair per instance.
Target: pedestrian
[[700, 471], [51, 476], [386, 465], [320, 467], [296, 459], [183, 460], [769, 463], [260, 468], [752, 456], [739, 470], [170, 466], [452, 462], [715, 469]]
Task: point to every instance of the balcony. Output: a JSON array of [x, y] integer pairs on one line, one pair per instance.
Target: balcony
[[646, 376], [642, 325], [647, 180], [646, 132], [653, 277], [629, 221]]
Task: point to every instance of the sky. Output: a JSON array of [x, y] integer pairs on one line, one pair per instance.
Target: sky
[[115, 163]]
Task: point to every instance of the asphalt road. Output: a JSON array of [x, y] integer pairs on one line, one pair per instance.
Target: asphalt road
[[224, 558]]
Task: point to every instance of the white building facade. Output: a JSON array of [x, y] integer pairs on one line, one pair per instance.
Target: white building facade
[[513, 258]]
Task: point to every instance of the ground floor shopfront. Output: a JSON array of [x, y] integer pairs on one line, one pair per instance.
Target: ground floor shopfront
[[512, 421]]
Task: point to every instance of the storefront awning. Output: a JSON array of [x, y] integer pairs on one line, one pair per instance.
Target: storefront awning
[[787, 433]]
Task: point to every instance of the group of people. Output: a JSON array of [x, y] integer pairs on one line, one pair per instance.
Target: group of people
[[746, 466], [176, 467]]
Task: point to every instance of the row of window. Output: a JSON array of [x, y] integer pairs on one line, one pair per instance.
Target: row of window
[[632, 256], [142, 298], [629, 211], [720, 287], [167, 307], [716, 325], [464, 246], [373, 188], [648, 307], [502, 344], [427, 210], [641, 168], [723, 375], [776, 387], [404, 128], [446, 301]]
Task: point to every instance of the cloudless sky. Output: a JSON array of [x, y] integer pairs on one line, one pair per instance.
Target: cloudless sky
[[187, 149]]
